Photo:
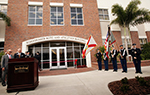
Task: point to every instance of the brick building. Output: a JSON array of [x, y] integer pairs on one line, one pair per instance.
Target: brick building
[[58, 29]]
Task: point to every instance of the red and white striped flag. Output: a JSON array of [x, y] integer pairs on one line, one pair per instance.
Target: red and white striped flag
[[89, 46], [110, 39]]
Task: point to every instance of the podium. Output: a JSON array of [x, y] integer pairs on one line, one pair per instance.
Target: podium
[[22, 74]]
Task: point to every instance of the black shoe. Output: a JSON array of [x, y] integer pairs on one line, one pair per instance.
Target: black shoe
[[106, 70], [136, 72], [140, 72], [100, 69], [3, 84], [115, 71], [123, 71]]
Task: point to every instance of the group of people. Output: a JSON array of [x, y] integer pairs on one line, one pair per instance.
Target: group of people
[[7, 56], [122, 53]]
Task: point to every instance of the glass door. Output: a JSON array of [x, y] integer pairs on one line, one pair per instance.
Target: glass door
[[58, 58]]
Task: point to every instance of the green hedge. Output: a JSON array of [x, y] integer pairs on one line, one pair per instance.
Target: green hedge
[[146, 51]]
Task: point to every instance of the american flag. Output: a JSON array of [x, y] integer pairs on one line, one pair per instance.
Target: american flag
[[110, 39]]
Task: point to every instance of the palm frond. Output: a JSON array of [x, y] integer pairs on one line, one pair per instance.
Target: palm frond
[[118, 11], [131, 10], [141, 20], [5, 18]]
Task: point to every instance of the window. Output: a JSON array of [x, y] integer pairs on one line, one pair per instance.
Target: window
[[103, 14], [142, 42], [1, 46], [76, 16], [3, 8], [103, 41], [35, 15], [56, 16]]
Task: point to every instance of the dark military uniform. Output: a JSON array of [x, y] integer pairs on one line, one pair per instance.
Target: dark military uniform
[[113, 54], [136, 59], [99, 60]]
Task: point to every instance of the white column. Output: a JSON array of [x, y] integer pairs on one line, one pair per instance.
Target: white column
[[88, 60]]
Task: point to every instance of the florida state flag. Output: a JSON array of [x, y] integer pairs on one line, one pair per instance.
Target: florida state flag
[[89, 46]]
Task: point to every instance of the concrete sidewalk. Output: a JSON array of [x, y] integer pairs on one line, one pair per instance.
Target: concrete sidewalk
[[87, 83]]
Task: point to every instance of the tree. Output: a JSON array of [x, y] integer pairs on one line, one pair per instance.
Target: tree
[[5, 18], [130, 16]]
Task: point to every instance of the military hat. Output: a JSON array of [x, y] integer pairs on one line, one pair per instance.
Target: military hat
[[133, 44], [121, 45]]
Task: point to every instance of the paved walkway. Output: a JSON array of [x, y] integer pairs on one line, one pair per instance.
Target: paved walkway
[[88, 83]]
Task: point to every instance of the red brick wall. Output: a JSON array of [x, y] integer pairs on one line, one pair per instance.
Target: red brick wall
[[19, 31], [117, 35], [135, 38], [148, 35]]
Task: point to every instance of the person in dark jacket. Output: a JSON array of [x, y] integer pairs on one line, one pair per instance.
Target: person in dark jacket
[[27, 54], [99, 59], [113, 54], [135, 53], [123, 55], [19, 54], [38, 57], [105, 61]]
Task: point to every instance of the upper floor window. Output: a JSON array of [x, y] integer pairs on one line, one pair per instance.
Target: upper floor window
[[103, 14], [56, 16], [35, 15], [3, 8], [76, 16]]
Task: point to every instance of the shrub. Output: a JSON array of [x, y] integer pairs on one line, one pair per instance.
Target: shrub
[[101, 48], [146, 51], [1, 54], [124, 81], [124, 88], [141, 81]]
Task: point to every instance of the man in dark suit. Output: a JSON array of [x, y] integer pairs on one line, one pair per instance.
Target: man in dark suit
[[19, 54], [99, 59], [123, 55], [4, 64], [113, 54], [135, 53], [27, 54]]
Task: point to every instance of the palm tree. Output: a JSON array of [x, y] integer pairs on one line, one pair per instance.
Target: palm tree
[[130, 16], [5, 18]]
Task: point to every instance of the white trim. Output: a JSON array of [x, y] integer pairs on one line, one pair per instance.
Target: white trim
[[34, 25], [3, 2], [2, 39], [56, 4], [126, 37], [35, 3], [76, 5], [101, 20], [142, 37], [103, 8], [103, 37]]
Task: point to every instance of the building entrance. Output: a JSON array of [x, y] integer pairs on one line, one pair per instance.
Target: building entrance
[[58, 57]]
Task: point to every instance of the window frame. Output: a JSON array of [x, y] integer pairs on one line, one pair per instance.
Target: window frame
[[104, 15], [35, 15], [3, 5], [57, 16], [76, 18]]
